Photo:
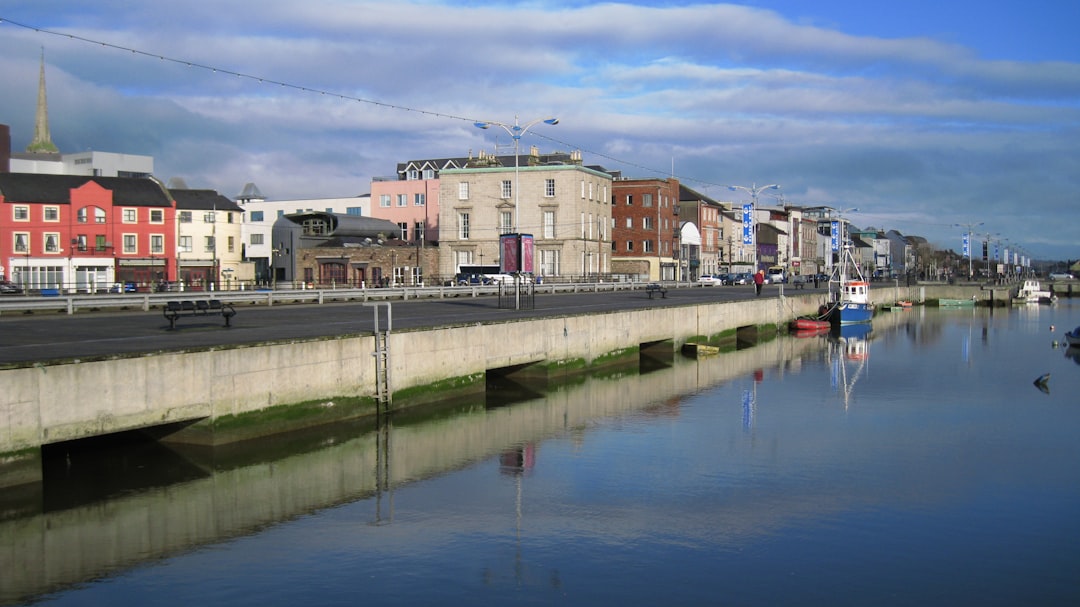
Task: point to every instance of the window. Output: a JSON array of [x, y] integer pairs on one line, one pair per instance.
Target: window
[[332, 272], [281, 213], [506, 225], [507, 189], [157, 244], [384, 200], [549, 262], [629, 245], [417, 275], [232, 244], [403, 227], [209, 245], [630, 222], [52, 242], [157, 216], [209, 217], [185, 217], [129, 215], [22, 242], [354, 211], [629, 200], [413, 175], [419, 200], [463, 190], [185, 244], [418, 230], [80, 215], [100, 243], [463, 226], [52, 214], [99, 215], [257, 239], [464, 258], [403, 200], [131, 244], [647, 223], [21, 213], [429, 173], [646, 246], [256, 216], [549, 224], [646, 200], [549, 188]]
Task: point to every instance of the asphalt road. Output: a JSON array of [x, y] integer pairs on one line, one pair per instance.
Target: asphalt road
[[47, 336]]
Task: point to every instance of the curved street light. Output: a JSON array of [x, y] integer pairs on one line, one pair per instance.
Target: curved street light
[[753, 190], [516, 130]]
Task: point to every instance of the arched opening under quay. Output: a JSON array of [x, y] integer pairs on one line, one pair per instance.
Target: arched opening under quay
[[87, 470], [655, 355]]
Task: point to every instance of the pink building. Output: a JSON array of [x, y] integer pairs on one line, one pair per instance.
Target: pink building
[[411, 199]]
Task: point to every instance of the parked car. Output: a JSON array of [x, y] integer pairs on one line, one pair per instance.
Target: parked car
[[463, 280], [743, 278], [1060, 276], [127, 287], [9, 287], [708, 280], [775, 278], [727, 279]]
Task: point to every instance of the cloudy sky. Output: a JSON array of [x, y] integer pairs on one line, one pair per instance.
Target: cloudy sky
[[921, 114]]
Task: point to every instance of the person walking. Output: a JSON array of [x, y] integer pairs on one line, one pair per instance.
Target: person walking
[[759, 279]]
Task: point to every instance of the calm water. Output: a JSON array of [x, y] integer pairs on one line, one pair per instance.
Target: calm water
[[919, 467]]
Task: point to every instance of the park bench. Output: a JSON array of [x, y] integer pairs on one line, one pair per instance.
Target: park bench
[[655, 287], [174, 310]]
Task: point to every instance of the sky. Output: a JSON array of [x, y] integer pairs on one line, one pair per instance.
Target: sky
[[930, 118]]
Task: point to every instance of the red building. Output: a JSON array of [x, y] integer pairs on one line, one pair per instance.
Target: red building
[[645, 227], [83, 234]]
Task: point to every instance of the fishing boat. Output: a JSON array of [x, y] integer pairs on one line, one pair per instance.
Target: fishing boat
[[849, 291], [1032, 292]]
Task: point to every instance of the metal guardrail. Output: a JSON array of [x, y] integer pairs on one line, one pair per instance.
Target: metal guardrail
[[71, 303]]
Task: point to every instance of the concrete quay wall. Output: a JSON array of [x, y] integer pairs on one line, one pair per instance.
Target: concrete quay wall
[[46, 404]]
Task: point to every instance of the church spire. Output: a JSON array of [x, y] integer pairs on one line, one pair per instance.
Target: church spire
[[42, 143]]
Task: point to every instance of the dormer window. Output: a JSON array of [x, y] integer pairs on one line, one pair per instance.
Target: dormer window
[[413, 175]]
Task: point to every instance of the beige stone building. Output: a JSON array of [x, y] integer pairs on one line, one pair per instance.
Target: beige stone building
[[564, 205]]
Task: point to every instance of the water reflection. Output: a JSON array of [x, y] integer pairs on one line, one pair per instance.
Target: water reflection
[[679, 469]]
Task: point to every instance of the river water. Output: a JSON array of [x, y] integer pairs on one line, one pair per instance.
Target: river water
[[918, 464]]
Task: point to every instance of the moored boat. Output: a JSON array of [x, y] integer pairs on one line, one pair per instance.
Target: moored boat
[[1073, 337], [808, 324], [945, 302], [1032, 292], [849, 291]]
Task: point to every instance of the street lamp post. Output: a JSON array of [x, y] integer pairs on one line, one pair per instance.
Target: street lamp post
[[753, 190], [515, 131], [969, 226]]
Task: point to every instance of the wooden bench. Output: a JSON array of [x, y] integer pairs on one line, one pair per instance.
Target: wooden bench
[[655, 287], [212, 307]]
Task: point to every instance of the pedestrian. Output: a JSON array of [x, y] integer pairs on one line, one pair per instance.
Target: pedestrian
[[759, 279], [815, 280]]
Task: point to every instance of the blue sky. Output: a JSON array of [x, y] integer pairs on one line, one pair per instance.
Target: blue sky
[[922, 114]]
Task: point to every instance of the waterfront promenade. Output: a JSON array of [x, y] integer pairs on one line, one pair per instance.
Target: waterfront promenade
[[52, 336]]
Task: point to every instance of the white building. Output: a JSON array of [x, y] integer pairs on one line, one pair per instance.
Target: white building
[[94, 164], [256, 231]]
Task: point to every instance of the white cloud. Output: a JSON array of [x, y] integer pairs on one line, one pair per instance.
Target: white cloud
[[916, 127]]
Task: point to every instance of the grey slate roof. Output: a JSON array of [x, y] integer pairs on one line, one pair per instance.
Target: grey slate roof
[[56, 189], [203, 200]]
